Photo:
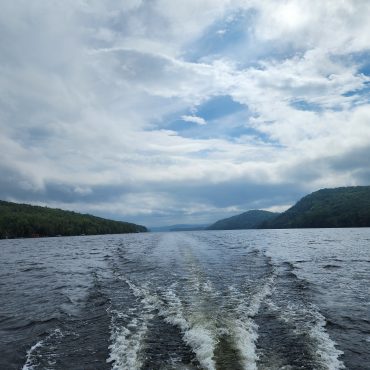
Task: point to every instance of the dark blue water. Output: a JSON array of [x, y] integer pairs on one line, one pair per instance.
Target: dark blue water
[[258, 299]]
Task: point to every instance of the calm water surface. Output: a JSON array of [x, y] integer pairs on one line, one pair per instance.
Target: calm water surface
[[252, 299]]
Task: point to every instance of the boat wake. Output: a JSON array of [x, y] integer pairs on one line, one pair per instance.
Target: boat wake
[[203, 326]]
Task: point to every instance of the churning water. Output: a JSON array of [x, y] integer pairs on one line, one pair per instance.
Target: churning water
[[253, 299]]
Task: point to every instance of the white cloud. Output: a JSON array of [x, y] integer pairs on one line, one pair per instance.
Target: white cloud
[[194, 119], [86, 92], [337, 26], [278, 208]]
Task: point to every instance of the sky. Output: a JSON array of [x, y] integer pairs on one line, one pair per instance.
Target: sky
[[162, 112]]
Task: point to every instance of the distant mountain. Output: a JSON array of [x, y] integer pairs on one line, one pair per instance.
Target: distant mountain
[[24, 220], [179, 227], [340, 207], [247, 220]]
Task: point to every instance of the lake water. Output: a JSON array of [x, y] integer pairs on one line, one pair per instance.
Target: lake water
[[251, 299]]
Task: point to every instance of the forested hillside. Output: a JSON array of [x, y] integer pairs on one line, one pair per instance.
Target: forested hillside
[[247, 220], [23, 220], [339, 207]]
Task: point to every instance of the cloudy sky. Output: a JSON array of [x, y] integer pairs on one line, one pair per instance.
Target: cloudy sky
[[162, 112]]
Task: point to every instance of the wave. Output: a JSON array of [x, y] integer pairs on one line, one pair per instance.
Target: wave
[[212, 321], [33, 268], [32, 354], [198, 331], [30, 324], [245, 330], [126, 346], [202, 324], [309, 322], [29, 365], [128, 332], [327, 353], [293, 308], [331, 266]]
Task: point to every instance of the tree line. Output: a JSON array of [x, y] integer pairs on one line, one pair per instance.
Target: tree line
[[24, 221]]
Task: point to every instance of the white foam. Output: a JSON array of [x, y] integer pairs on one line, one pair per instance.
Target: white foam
[[309, 321], [126, 346], [127, 341], [203, 342], [30, 356], [198, 326], [29, 365], [200, 332], [260, 296], [245, 330], [173, 311], [197, 330], [328, 354], [209, 288], [245, 334]]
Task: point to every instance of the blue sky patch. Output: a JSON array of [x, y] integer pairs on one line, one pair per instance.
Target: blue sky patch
[[234, 38], [222, 37], [219, 106], [305, 105], [225, 118], [364, 91], [363, 59]]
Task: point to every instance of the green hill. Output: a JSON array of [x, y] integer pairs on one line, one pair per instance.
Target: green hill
[[23, 220], [247, 220], [340, 207]]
